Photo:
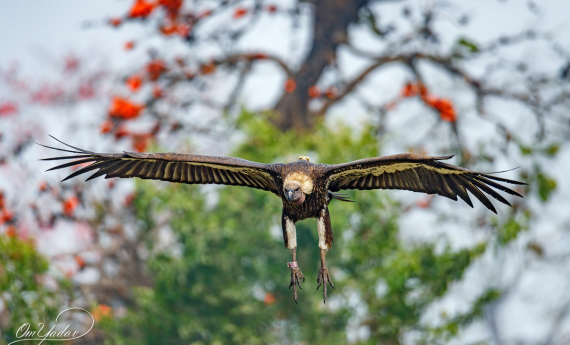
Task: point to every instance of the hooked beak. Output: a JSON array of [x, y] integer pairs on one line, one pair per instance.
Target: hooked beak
[[289, 195]]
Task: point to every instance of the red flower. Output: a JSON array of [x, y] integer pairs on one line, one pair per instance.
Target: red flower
[[183, 30], [129, 45], [43, 186], [331, 92], [409, 90], [140, 141], [444, 106], [208, 68], [157, 91], [116, 22], [71, 63], [314, 91], [69, 205], [271, 8], [257, 56], [240, 12], [121, 132], [122, 107], [168, 30], [290, 85], [8, 108], [6, 216], [106, 126], [425, 202], [101, 311], [80, 261], [134, 83], [155, 68], [141, 9], [130, 198], [180, 61], [11, 231], [269, 298], [86, 91], [171, 5]]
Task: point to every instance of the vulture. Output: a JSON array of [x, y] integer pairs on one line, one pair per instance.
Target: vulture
[[305, 188]]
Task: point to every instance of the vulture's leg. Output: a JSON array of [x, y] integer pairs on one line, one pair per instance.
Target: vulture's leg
[[290, 238], [325, 242]]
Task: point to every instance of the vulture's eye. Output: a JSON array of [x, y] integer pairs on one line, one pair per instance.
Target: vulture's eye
[[296, 190]]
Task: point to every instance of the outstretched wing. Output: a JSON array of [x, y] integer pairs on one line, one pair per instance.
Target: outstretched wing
[[173, 167], [418, 174]]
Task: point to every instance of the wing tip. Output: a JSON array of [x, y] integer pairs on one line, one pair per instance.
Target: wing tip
[[442, 158]]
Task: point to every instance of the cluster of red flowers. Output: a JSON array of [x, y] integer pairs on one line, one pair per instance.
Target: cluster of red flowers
[[240, 12], [208, 68], [182, 29], [141, 9], [140, 141], [172, 6], [124, 108], [330, 92], [8, 108], [153, 71], [101, 311], [129, 45], [290, 85], [155, 68], [134, 83], [442, 105], [69, 205], [6, 215]]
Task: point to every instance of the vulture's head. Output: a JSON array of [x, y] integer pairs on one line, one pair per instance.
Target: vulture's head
[[294, 192]]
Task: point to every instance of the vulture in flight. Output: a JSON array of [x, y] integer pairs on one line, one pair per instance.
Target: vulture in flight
[[305, 188]]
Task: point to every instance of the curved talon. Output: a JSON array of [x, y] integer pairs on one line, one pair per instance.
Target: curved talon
[[296, 276], [323, 278]]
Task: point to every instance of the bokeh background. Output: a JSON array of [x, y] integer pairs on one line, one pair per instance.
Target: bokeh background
[[337, 80]]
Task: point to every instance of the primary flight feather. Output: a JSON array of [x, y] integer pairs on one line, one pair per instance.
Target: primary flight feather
[[305, 188]]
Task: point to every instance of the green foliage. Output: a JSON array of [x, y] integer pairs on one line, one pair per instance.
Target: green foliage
[[472, 47], [226, 282], [452, 326], [546, 185], [463, 47], [550, 150], [24, 298]]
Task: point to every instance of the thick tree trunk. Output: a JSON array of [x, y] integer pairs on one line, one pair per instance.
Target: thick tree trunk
[[332, 18]]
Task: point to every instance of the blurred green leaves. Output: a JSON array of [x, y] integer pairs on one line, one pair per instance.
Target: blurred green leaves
[[546, 185], [470, 45], [24, 297]]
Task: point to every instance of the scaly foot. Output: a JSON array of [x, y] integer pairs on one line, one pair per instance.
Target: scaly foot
[[323, 278], [296, 276]]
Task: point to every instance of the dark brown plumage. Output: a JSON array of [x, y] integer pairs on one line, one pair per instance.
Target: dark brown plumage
[[305, 188]]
